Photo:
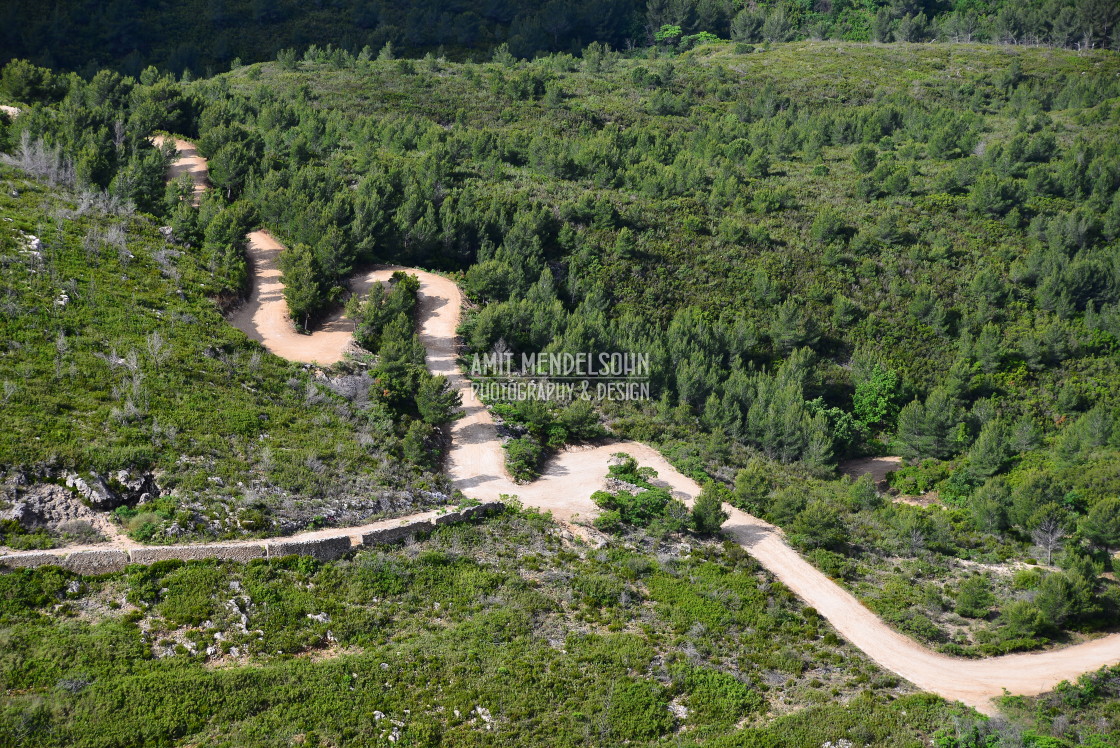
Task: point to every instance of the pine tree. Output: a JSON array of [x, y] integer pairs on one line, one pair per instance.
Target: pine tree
[[708, 514], [1102, 525], [864, 159], [975, 598], [989, 453], [988, 348], [301, 285], [437, 402], [753, 486]]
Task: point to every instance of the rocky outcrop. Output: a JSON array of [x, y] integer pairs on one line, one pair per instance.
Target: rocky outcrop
[[93, 491], [50, 506], [125, 488], [135, 488]]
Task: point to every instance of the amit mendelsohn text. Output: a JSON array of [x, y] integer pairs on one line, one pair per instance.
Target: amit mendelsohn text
[[588, 365]]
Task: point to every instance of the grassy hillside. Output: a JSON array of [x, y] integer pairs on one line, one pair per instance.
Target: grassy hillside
[[827, 250], [496, 634], [116, 359]]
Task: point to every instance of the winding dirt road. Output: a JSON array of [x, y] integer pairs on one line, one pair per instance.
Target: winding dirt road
[[264, 316], [476, 465], [189, 161]]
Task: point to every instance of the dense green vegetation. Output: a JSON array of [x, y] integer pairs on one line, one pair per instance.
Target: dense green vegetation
[[818, 266], [932, 574], [418, 401], [493, 634], [204, 36]]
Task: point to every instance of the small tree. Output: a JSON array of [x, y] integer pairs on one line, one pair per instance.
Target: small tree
[[819, 525], [287, 59], [437, 402], [993, 196], [975, 598], [747, 26], [301, 285], [753, 486], [1062, 597], [1049, 536], [416, 445], [667, 34], [708, 514], [828, 227], [989, 453], [1102, 526], [503, 57], [874, 402], [864, 159]]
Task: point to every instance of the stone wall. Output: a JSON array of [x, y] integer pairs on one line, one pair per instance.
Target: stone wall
[[240, 552], [39, 558], [95, 562], [325, 549]]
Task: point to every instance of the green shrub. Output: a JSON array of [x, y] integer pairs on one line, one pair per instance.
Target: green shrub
[[638, 710], [974, 597], [523, 458]]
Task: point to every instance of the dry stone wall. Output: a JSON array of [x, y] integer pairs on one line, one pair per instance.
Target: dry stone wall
[[96, 562], [242, 552], [330, 548], [324, 549]]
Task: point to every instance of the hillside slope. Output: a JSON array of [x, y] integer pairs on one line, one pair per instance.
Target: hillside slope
[[115, 359]]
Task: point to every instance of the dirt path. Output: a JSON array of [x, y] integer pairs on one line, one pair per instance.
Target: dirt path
[[476, 465], [189, 161]]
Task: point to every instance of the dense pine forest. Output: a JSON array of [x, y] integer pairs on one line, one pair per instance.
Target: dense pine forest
[[206, 36], [829, 250]]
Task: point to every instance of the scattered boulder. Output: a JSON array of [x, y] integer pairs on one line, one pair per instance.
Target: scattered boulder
[[614, 485], [93, 491], [136, 488], [126, 488]]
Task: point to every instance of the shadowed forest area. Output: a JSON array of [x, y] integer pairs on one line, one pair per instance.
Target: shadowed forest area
[[207, 36]]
